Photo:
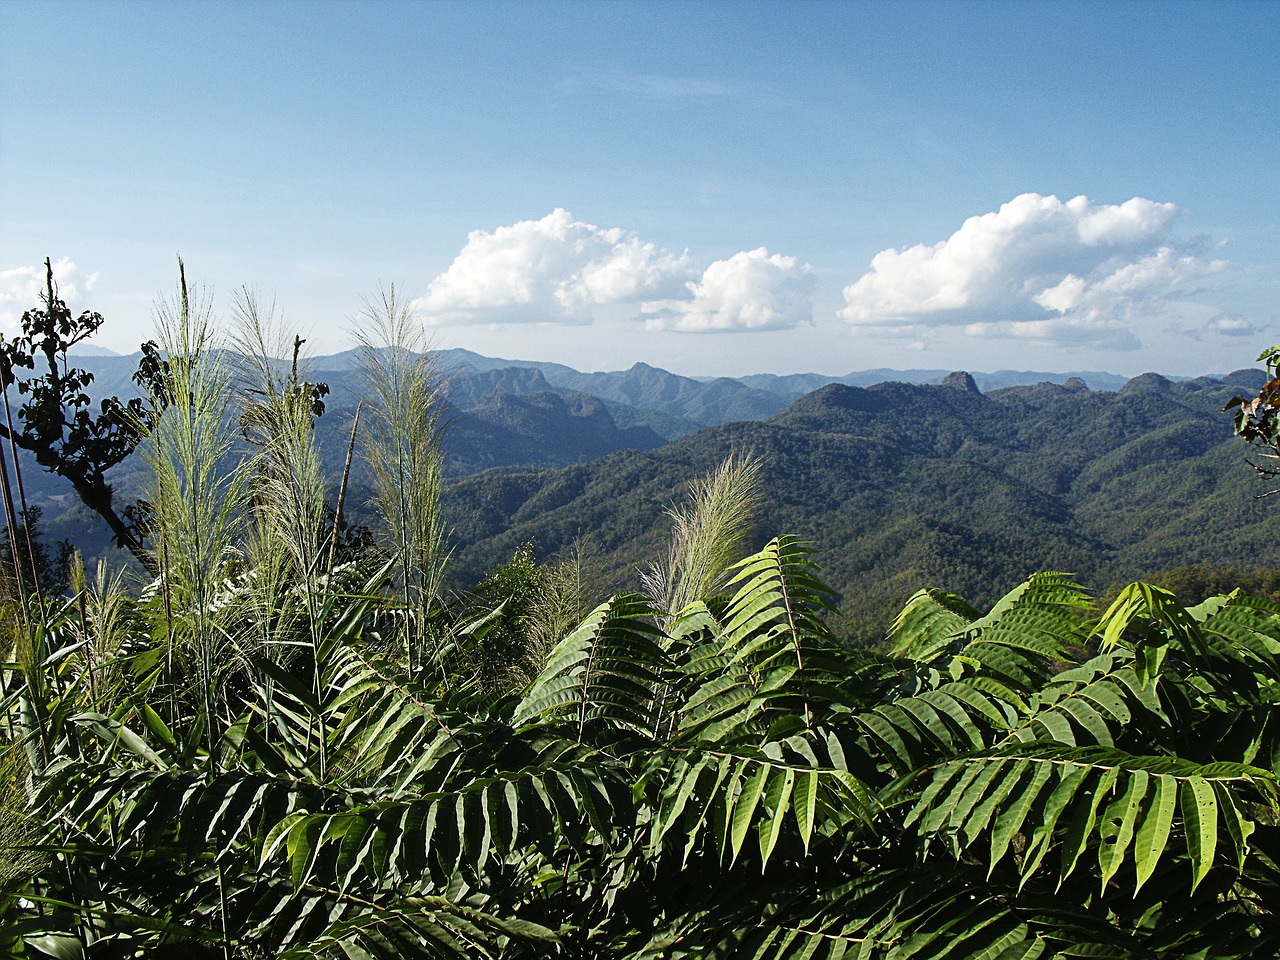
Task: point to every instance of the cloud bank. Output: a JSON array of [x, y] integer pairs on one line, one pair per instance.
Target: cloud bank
[[22, 287], [1036, 269], [563, 271]]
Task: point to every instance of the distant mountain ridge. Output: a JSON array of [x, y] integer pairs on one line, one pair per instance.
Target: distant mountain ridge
[[798, 384], [548, 436], [712, 400], [692, 401], [900, 486]]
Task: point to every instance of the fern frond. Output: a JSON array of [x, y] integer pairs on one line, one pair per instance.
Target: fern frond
[[558, 808], [771, 650], [1087, 705], [721, 798], [1028, 630], [1151, 621], [608, 669], [1124, 807], [435, 927], [929, 624]]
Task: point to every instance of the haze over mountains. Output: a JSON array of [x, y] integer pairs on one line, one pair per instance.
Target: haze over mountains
[[900, 479]]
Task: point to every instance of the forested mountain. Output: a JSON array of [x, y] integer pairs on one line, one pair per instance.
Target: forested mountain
[[896, 484], [503, 416], [682, 404], [901, 485], [642, 387], [543, 428]]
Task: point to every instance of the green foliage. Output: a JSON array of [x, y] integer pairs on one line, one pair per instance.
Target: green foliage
[[1257, 419], [57, 426], [505, 601], [1019, 782], [268, 754]]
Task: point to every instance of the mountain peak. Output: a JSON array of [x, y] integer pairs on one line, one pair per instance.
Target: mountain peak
[[960, 380], [1250, 377], [1146, 383]]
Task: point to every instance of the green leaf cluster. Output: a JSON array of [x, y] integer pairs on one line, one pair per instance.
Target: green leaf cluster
[[730, 780]]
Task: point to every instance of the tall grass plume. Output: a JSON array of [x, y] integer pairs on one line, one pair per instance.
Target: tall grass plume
[[402, 447]]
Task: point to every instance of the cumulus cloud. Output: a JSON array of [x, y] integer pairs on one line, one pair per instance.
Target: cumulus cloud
[[553, 270], [561, 270], [22, 287], [1039, 269], [749, 291]]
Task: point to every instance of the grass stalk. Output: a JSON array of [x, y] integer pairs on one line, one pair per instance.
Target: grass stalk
[[287, 493], [402, 444], [22, 493], [708, 533], [342, 490], [197, 490]]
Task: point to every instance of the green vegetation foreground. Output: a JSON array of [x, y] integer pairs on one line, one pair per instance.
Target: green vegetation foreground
[[272, 753]]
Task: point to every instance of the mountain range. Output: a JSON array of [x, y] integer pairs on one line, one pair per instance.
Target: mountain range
[[899, 486], [966, 482]]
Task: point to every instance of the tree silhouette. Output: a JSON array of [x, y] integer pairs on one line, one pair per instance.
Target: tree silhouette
[[55, 422]]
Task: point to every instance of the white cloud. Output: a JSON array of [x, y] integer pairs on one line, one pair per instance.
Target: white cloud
[[553, 270], [22, 287], [750, 291], [1037, 269], [560, 270], [1231, 325]]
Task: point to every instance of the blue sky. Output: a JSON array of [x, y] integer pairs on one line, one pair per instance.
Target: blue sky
[[715, 188]]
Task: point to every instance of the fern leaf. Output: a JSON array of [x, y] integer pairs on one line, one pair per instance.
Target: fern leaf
[[805, 804], [744, 808], [1007, 780], [929, 623], [1011, 819], [608, 668], [777, 803], [1134, 611], [1238, 828], [1081, 828]]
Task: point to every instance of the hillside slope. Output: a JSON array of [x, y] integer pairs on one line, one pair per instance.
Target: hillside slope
[[902, 486]]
